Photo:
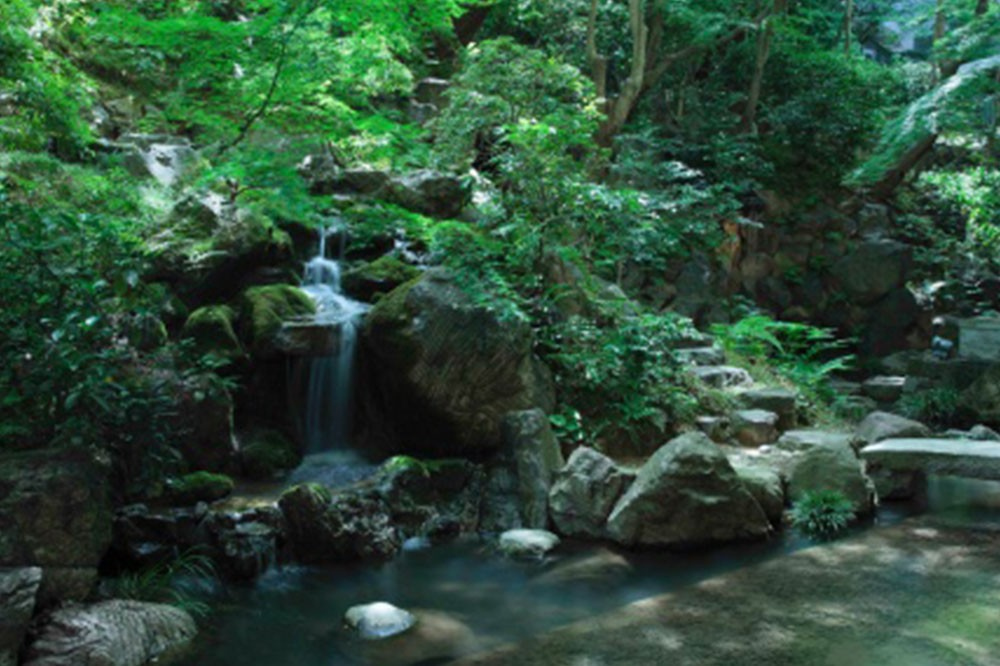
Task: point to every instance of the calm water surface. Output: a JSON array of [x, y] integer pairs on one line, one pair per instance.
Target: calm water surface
[[292, 616]]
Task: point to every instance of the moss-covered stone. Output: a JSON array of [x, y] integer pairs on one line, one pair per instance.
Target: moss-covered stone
[[443, 370], [379, 276], [55, 513], [199, 487], [208, 249], [267, 453], [264, 309], [147, 332], [213, 330]]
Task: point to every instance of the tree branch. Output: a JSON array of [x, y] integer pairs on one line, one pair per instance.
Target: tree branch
[[279, 67]]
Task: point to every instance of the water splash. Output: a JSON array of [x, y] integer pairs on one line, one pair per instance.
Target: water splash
[[327, 422]]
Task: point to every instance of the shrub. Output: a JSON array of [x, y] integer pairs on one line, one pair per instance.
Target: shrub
[[822, 514], [936, 406], [804, 355], [617, 379], [163, 582]]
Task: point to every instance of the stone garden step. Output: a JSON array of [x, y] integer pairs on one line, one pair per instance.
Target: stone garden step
[[953, 457], [702, 356], [722, 376]]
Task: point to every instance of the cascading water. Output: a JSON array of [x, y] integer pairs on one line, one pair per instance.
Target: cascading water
[[326, 422]]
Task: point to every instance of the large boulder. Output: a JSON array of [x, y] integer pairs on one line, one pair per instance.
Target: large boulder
[[265, 454], [436, 499], [263, 310], [982, 397], [891, 323], [112, 633], [203, 422], [208, 249], [765, 484], [430, 193], [424, 191], [378, 277], [883, 425], [517, 491], [584, 493], [826, 461], [442, 371], [687, 494], [55, 513], [346, 527], [873, 269], [18, 589], [212, 330]]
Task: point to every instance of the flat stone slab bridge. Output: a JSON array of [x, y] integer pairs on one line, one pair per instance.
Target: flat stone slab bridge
[[950, 457]]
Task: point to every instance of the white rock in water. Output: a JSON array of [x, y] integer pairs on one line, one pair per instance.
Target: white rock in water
[[378, 620], [527, 543]]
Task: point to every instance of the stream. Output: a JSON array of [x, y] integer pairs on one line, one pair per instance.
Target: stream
[[292, 616]]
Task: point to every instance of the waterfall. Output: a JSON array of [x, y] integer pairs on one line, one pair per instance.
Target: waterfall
[[326, 422]]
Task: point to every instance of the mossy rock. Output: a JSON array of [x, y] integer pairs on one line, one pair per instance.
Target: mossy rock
[[305, 495], [147, 332], [264, 309], [268, 453], [199, 487], [442, 371], [378, 277], [213, 330]]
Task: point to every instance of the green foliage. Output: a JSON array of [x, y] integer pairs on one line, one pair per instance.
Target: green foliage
[[802, 354], [43, 96], [972, 194], [938, 407], [512, 105], [949, 107], [821, 110], [161, 583], [619, 379], [70, 266], [199, 487], [822, 514], [267, 453]]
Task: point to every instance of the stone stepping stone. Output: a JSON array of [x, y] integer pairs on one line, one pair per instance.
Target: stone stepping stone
[[802, 440], [722, 376], [781, 401], [702, 356], [755, 427], [884, 388], [954, 457]]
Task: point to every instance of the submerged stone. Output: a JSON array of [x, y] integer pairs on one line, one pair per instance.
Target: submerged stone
[[378, 620], [527, 544]]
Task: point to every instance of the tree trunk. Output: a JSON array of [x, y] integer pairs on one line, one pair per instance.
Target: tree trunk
[[940, 29], [895, 175], [982, 6], [848, 26], [618, 110], [765, 37]]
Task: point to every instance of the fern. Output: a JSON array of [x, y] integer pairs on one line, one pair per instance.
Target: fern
[[822, 514]]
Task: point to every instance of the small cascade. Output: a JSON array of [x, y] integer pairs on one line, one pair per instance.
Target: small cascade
[[326, 422]]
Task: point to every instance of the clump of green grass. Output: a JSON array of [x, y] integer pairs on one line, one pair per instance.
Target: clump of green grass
[[822, 514]]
